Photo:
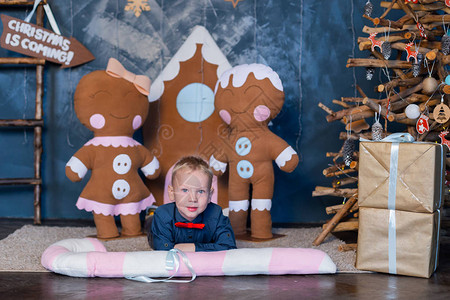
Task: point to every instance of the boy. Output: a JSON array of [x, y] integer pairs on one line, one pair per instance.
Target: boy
[[191, 223]]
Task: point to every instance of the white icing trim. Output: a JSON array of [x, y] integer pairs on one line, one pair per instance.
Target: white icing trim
[[210, 52], [285, 156], [115, 141], [241, 72], [217, 164], [238, 205], [151, 167], [77, 166], [261, 204]]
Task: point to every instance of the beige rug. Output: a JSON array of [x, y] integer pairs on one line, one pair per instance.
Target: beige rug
[[21, 251]]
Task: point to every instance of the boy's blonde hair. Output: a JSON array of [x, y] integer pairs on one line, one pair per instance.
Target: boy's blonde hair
[[193, 163]]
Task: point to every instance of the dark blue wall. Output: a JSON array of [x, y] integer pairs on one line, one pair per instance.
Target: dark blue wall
[[306, 41]]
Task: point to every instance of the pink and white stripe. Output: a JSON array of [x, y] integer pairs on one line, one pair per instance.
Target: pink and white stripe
[[89, 258]]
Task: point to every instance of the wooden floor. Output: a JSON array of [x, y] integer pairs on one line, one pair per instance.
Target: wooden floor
[[340, 286]]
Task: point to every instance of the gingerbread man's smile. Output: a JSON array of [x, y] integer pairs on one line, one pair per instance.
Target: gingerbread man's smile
[[119, 117]]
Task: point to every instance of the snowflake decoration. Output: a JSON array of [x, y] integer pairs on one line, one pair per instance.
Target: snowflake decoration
[[138, 6], [235, 2]]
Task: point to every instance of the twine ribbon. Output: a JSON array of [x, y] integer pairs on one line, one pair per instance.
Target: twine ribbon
[[48, 11]]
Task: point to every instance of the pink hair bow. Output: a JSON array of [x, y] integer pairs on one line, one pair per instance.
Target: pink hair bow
[[141, 82]]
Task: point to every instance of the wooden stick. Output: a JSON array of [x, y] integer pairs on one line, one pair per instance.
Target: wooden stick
[[334, 221], [345, 112], [355, 99], [355, 136], [358, 114], [400, 82], [339, 167], [22, 61], [377, 108], [339, 154], [357, 126], [435, 18], [342, 103], [388, 9], [327, 191], [347, 247], [325, 108], [384, 22], [368, 62], [401, 46], [344, 226], [397, 71], [330, 210], [414, 7], [405, 93], [338, 182], [20, 2]]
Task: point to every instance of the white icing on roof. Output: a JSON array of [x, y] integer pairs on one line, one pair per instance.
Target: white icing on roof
[[210, 52], [241, 72]]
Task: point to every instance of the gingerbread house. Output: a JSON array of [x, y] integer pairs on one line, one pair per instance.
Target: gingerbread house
[[182, 119]]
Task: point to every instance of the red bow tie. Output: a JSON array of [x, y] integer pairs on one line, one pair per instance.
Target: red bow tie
[[190, 225]]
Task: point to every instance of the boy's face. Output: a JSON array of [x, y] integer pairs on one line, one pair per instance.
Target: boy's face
[[191, 192]]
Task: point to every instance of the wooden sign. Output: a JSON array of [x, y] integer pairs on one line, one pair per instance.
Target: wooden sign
[[36, 41]]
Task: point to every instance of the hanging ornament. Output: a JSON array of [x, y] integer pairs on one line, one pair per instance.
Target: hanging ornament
[[447, 2], [415, 69], [370, 70], [419, 58], [447, 78], [412, 111], [445, 43], [375, 43], [441, 112], [444, 141], [421, 30], [386, 50], [347, 151], [412, 1], [411, 53], [429, 85], [368, 8], [377, 128], [369, 73], [422, 124], [386, 46]]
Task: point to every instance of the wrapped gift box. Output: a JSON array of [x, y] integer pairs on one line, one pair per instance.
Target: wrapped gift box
[[398, 242], [402, 176]]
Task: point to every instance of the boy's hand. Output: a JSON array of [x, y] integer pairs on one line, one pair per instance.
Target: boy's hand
[[186, 247]]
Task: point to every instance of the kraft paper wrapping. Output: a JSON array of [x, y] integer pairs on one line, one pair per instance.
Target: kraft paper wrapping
[[415, 243], [419, 181]]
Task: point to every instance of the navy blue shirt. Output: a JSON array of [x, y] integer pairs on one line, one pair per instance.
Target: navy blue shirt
[[215, 236]]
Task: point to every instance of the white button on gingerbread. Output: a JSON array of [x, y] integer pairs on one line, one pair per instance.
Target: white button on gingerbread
[[120, 189], [122, 164], [243, 146]]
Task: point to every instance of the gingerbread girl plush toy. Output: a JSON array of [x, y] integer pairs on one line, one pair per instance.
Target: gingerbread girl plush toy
[[247, 97], [113, 104]]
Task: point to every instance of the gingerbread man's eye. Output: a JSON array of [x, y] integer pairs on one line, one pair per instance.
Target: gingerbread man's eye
[[100, 94]]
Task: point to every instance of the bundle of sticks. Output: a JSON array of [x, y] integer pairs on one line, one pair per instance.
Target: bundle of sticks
[[414, 77]]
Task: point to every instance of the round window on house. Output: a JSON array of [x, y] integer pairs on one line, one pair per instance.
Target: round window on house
[[195, 102]]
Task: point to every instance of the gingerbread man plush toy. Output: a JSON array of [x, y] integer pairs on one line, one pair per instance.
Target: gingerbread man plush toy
[[247, 97], [113, 104]]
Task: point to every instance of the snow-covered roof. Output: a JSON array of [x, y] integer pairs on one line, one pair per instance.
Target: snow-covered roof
[[210, 52]]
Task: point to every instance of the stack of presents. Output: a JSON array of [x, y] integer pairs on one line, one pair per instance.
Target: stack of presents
[[400, 196]]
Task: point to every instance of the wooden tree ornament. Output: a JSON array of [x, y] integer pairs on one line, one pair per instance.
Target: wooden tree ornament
[[414, 94]]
